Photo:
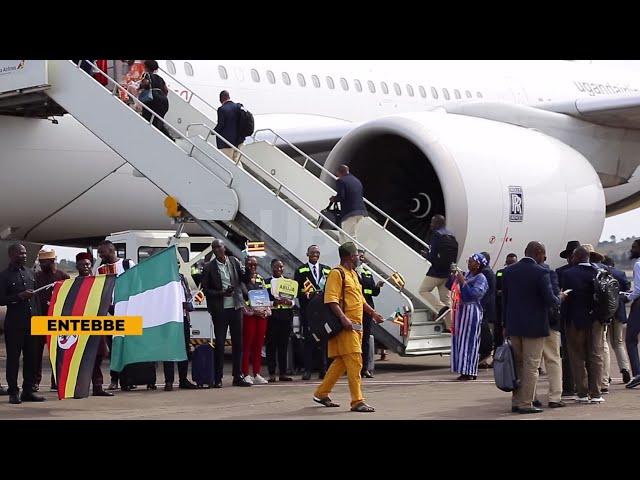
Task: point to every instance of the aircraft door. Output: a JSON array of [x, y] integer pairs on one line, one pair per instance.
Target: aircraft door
[[519, 94]]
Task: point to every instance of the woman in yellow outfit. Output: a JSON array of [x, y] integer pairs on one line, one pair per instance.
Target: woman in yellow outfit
[[346, 347]]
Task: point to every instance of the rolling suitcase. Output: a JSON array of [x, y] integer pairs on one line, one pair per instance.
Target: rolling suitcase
[[203, 365], [142, 373], [372, 353]]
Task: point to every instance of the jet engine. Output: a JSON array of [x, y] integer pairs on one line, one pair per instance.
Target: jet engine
[[498, 185]]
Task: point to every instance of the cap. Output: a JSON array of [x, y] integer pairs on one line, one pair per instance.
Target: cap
[[84, 256], [47, 254], [349, 248]]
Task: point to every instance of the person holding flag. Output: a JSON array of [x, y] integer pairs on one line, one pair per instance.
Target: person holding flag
[[312, 276]]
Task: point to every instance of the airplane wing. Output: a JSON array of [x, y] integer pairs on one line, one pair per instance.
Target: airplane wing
[[619, 111]]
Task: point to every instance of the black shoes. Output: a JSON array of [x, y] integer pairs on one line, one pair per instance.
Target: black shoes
[[557, 404], [168, 387], [634, 382], [218, 384], [187, 385], [626, 376], [306, 375], [14, 398], [240, 382], [530, 410], [31, 397], [284, 378], [537, 403], [102, 393]]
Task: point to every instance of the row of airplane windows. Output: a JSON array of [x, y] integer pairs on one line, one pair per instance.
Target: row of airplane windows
[[302, 81]]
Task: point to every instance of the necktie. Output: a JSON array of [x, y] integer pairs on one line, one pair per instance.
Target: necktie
[[315, 273]]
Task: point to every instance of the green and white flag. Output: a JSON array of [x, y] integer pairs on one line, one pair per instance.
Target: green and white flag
[[151, 289]]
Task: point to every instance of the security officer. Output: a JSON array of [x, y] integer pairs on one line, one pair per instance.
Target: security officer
[[370, 289], [16, 292], [314, 274]]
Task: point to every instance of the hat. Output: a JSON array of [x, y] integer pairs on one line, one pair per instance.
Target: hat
[[480, 258], [571, 246], [84, 256], [47, 254], [349, 248], [593, 255]]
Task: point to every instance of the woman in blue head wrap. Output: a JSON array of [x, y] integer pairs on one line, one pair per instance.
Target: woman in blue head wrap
[[468, 318]]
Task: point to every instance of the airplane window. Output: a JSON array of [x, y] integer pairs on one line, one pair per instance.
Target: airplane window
[[285, 78], [330, 83], [188, 69], [423, 92], [358, 85], [372, 87], [271, 77], [171, 67], [445, 92], [255, 75], [315, 80], [396, 87], [468, 94], [301, 80], [456, 92], [385, 89], [121, 250], [410, 90], [478, 94], [434, 93], [345, 85], [222, 72]]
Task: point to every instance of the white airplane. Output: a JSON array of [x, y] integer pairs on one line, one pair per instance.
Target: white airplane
[[424, 136]]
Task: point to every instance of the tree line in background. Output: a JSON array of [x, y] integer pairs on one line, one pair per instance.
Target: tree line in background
[[618, 250]]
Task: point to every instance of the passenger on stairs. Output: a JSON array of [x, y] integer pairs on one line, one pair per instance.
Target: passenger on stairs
[[227, 127], [159, 104]]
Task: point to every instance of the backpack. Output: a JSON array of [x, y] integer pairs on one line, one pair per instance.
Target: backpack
[[606, 296], [447, 253], [126, 264], [504, 368], [323, 324], [246, 124]]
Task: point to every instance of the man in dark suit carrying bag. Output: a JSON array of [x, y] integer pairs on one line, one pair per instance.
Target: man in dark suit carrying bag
[[526, 297]]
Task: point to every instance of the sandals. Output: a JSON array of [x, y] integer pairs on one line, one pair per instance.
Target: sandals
[[325, 401], [363, 407]]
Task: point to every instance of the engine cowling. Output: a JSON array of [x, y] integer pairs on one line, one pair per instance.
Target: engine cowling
[[498, 185]]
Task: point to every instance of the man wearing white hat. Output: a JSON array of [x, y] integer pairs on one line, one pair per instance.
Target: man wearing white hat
[[47, 275]]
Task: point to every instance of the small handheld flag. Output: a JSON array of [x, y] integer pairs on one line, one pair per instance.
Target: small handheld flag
[[398, 319], [199, 297], [308, 286], [398, 279]]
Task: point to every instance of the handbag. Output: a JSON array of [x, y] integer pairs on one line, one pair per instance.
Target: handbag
[[504, 369], [323, 324], [146, 95], [332, 213]]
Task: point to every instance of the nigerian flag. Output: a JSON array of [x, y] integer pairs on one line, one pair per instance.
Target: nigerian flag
[[151, 289]]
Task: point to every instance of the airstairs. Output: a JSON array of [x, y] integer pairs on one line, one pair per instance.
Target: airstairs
[[265, 195]]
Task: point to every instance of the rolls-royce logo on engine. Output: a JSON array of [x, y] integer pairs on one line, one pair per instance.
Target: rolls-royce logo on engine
[[517, 206]]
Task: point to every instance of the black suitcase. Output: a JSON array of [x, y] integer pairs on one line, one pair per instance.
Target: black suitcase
[[143, 373]]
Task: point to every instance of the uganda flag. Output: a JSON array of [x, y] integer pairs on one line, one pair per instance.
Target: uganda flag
[[398, 279], [199, 297], [73, 356], [307, 286], [255, 249]]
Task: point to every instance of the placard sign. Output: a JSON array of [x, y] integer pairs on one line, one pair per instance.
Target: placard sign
[[259, 298], [287, 288]]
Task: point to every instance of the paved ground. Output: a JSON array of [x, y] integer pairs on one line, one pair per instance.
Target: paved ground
[[403, 388]]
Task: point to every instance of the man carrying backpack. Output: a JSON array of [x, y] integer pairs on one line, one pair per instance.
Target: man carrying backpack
[[584, 324], [443, 252], [231, 126]]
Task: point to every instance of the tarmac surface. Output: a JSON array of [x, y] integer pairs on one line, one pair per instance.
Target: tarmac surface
[[421, 388]]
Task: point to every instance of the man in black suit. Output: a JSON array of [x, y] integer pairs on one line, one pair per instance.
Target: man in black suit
[[16, 292], [315, 274], [526, 298], [222, 285], [568, 385], [227, 127], [585, 334], [370, 289]]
